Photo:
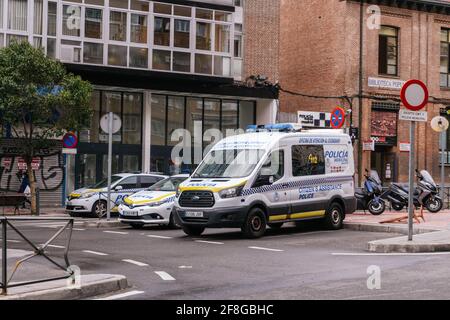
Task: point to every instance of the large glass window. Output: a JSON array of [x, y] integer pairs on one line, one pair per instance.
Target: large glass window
[[118, 26], [131, 163], [222, 66], [388, 51], [51, 48], [139, 5], [175, 117], [445, 54], [203, 36], [51, 19], [93, 53], [308, 161], [111, 102], [229, 116], [211, 115], [162, 8], [117, 55], [91, 134], [38, 16], [158, 120], [17, 15], [132, 123], [161, 59], [222, 38], [139, 57], [93, 23], [203, 63], [88, 168], [71, 20], [182, 33], [247, 115], [138, 28], [162, 31], [182, 61]]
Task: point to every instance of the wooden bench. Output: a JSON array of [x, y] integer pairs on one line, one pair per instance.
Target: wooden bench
[[15, 200]]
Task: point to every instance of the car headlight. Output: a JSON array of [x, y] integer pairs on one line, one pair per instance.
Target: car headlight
[[87, 195], [231, 193]]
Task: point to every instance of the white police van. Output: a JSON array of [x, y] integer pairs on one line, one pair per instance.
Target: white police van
[[273, 175]]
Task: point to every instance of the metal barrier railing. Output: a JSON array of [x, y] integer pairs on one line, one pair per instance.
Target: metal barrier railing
[[38, 250]]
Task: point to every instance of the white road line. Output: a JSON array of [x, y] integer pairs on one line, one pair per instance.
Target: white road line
[[78, 229], [54, 246], [165, 276], [13, 241], [95, 253], [209, 242], [137, 263], [390, 254], [185, 267], [266, 249], [159, 237], [122, 295], [116, 232]]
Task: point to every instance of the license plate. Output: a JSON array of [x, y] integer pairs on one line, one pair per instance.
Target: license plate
[[130, 213], [194, 214]]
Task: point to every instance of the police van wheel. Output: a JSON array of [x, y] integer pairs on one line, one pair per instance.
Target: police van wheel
[[99, 208], [276, 225], [172, 223], [255, 225], [334, 220], [193, 231]]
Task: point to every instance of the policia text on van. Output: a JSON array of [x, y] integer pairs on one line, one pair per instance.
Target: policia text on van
[[269, 178]]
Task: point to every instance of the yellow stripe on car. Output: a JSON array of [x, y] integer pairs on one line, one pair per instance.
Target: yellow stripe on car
[[279, 217], [212, 189], [310, 214], [74, 195], [138, 202]]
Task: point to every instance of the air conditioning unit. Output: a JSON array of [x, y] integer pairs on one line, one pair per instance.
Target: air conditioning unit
[[70, 54]]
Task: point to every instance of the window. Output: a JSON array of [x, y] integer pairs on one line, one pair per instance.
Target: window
[[175, 117], [182, 61], [117, 55], [162, 31], [1, 40], [93, 23], [71, 20], [93, 53], [131, 163], [90, 135], [308, 161], [132, 123], [51, 19], [182, 33], [51, 48], [247, 114], [445, 54], [274, 166], [388, 51], [139, 57], [203, 63], [223, 16], [158, 120], [139, 5], [182, 11], [222, 38], [229, 116], [119, 4], [38, 13], [129, 183], [17, 15], [204, 14], [111, 102], [138, 28], [147, 182], [118, 26], [161, 60], [162, 8], [1, 14], [238, 46], [203, 36], [222, 66], [211, 115]]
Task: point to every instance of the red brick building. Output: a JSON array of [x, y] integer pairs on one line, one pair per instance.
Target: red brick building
[[320, 55]]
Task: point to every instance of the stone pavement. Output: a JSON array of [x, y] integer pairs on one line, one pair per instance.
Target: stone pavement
[[427, 242]]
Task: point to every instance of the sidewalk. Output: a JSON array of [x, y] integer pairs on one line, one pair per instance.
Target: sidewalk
[[89, 285], [428, 242]]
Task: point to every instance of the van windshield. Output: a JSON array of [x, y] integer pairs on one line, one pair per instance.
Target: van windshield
[[234, 163]]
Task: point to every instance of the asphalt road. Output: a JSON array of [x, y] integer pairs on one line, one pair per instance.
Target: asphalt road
[[291, 263]]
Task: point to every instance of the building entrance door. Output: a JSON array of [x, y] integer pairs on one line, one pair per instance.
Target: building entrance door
[[384, 161]]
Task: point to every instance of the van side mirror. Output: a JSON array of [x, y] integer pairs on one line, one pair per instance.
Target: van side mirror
[[118, 188], [263, 181]]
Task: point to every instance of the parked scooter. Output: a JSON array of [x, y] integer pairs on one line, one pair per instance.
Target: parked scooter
[[370, 197], [426, 194]]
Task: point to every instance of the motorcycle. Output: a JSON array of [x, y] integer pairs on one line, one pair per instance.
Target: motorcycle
[[425, 194], [370, 197]]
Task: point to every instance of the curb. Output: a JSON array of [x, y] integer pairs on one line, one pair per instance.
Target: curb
[[110, 284], [407, 248], [376, 227]]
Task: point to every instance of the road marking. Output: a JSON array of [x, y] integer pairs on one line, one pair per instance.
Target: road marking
[[116, 232], [54, 246], [95, 253], [13, 241], [165, 276], [137, 263], [266, 249], [185, 267], [122, 295], [209, 242], [390, 254], [159, 237], [78, 229]]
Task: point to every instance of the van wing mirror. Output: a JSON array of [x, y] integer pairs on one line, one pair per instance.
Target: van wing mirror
[[118, 188]]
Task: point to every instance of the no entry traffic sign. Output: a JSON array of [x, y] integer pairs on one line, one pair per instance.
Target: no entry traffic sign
[[414, 95], [70, 141], [338, 118]]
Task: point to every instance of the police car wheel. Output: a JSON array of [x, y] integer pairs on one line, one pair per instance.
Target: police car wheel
[[193, 230], [276, 225], [255, 225], [334, 219], [99, 208]]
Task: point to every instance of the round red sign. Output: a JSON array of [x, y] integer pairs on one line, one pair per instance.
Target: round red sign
[[338, 118], [414, 95], [70, 140]]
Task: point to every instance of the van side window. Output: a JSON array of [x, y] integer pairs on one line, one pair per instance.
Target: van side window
[[308, 161], [274, 165]]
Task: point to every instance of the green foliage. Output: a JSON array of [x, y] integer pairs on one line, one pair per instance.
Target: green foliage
[[39, 98]]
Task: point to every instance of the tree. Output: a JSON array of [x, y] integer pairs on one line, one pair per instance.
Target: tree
[[39, 101]]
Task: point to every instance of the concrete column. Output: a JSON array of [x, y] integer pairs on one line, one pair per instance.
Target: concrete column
[[266, 111], [147, 132]]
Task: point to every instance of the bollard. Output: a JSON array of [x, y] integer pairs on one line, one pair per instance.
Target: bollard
[[4, 258], [38, 202]]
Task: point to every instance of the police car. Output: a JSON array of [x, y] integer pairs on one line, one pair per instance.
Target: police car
[[152, 206], [269, 176], [92, 200]]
